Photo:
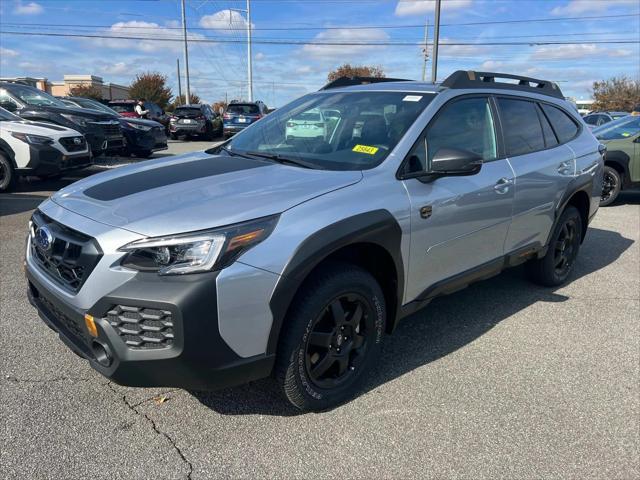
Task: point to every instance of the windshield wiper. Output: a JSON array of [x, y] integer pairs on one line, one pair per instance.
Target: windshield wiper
[[227, 150], [281, 159]]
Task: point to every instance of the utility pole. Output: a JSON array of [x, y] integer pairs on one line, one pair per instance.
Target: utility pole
[[179, 83], [249, 68], [186, 55], [425, 50], [436, 39]]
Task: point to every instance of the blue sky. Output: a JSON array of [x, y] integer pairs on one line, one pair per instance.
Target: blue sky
[[284, 72]]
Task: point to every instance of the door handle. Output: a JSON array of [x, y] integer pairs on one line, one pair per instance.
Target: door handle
[[502, 186], [565, 168]]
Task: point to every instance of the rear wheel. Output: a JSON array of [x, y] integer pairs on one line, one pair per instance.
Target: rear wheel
[[333, 335], [7, 174], [555, 267], [611, 186], [174, 136]]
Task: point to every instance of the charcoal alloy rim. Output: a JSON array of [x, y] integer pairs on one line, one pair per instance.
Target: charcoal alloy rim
[[609, 185], [566, 247], [3, 173], [339, 341]]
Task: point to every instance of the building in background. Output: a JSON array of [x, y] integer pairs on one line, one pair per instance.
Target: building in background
[[110, 91]]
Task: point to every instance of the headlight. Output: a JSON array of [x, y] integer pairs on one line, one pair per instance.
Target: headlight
[[139, 127], [75, 119], [32, 139], [198, 251]]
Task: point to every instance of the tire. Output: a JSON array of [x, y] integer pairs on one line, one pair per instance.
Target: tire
[[326, 346], [143, 154], [7, 174], [556, 266], [611, 186], [174, 136]]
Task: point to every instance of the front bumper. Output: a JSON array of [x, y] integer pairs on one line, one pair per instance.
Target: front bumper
[[196, 357], [47, 160]]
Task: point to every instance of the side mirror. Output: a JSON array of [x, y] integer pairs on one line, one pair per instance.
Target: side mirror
[[455, 162], [9, 106]]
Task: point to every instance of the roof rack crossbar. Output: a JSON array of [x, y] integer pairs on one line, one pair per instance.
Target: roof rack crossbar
[[471, 79], [350, 81]]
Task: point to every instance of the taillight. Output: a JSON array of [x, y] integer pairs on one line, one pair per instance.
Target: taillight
[[258, 117], [200, 117], [290, 124], [226, 116]]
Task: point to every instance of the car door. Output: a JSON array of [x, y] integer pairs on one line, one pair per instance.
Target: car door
[[543, 167], [458, 223]]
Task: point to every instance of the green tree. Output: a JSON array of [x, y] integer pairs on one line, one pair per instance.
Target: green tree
[[179, 100], [617, 93], [348, 70], [151, 86], [86, 91]]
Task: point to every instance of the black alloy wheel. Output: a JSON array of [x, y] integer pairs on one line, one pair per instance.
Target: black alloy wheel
[[338, 340], [611, 186], [566, 247]]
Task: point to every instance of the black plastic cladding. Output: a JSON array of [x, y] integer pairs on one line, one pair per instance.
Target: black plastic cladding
[[377, 227]]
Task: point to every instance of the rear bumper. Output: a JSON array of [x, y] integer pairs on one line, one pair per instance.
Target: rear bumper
[[196, 358], [233, 128], [139, 141], [187, 128]]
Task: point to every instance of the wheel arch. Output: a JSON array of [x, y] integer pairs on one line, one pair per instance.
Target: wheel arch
[[619, 161], [8, 151], [370, 240]]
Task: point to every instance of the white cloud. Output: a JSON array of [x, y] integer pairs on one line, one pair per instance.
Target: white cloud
[[576, 7], [31, 8], [150, 30], [225, 21], [575, 51], [119, 68], [491, 65], [7, 52], [259, 56], [345, 35], [459, 50], [420, 7], [304, 70]]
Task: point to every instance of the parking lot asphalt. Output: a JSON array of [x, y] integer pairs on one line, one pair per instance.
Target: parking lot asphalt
[[503, 379]]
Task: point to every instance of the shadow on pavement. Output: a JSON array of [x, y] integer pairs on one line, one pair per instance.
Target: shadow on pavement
[[446, 325], [627, 197], [11, 204]]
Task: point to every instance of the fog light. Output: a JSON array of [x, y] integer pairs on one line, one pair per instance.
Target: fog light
[[91, 325]]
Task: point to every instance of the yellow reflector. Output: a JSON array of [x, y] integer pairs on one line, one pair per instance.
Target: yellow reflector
[[242, 240], [91, 325]]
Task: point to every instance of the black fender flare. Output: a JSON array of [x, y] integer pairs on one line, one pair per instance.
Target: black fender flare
[[377, 227], [621, 159], [575, 186], [8, 151]]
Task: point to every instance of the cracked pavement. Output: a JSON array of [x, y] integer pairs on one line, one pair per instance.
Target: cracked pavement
[[503, 379]]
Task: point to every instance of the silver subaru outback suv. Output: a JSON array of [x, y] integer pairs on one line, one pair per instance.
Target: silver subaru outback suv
[[293, 257]]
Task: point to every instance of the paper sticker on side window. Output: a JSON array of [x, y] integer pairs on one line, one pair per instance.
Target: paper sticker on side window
[[412, 98], [365, 149]]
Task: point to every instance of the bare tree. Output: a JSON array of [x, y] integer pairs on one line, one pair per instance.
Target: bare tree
[[616, 94], [348, 70]]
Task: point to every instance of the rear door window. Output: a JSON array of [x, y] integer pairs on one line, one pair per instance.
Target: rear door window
[[521, 127], [565, 128]]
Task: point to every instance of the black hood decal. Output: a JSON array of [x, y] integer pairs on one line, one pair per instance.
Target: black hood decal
[[50, 126], [168, 175]]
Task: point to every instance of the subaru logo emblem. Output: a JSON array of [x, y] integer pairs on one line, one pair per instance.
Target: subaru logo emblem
[[77, 140], [43, 238]]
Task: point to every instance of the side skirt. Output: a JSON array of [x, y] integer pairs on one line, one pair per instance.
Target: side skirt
[[476, 274]]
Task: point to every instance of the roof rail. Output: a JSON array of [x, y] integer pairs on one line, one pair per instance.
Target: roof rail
[[349, 81], [471, 79]]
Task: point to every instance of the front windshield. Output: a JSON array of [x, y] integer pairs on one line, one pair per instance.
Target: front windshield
[[33, 96], [7, 116], [357, 132], [624, 127]]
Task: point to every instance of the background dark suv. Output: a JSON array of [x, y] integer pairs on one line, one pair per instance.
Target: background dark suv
[[198, 119], [101, 130], [240, 115]]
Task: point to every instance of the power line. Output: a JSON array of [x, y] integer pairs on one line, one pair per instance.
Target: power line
[[343, 27]]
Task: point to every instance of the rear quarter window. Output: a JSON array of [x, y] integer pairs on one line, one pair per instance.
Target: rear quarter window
[[564, 126]]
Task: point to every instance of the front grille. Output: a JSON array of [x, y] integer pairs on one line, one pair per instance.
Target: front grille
[[68, 258], [142, 328], [110, 129], [70, 145]]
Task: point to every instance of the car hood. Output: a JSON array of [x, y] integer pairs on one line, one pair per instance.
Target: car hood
[[195, 192], [95, 115], [38, 128]]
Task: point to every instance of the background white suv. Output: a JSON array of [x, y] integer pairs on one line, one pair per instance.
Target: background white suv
[[41, 149]]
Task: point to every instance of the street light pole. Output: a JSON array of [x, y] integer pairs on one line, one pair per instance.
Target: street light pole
[[249, 68], [179, 83], [186, 55], [436, 39], [425, 50]]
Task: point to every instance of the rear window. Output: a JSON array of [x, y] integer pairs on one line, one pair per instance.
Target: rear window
[[122, 107], [187, 111], [244, 109], [522, 130], [562, 123], [308, 117]]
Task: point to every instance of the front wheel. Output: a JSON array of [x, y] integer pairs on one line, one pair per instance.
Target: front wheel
[[611, 186], [555, 267], [331, 337], [7, 174]]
